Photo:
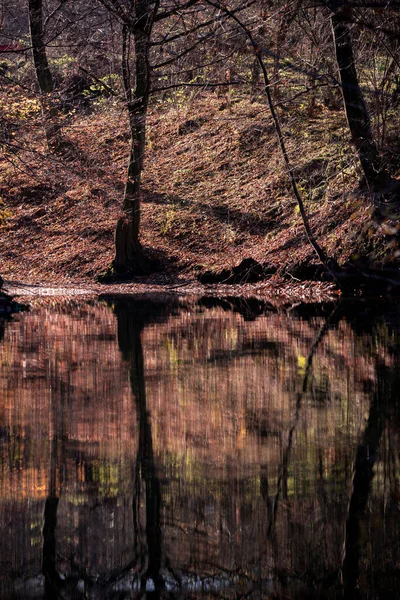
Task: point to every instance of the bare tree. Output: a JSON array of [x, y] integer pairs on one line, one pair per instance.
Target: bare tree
[[138, 20], [379, 181], [43, 73]]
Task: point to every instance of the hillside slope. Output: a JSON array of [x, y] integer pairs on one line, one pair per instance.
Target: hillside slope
[[214, 193]]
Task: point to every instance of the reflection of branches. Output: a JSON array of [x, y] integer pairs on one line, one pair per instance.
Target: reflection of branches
[[363, 474], [282, 478], [119, 574]]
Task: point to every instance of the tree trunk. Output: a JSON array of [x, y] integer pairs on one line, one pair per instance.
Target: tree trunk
[[288, 15], [127, 243], [378, 179], [255, 79], [43, 73]]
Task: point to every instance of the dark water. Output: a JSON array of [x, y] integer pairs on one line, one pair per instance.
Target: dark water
[[163, 450]]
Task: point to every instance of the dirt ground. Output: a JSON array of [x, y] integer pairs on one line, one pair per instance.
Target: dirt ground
[[215, 193]]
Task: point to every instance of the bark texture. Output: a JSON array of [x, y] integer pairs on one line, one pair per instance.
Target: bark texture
[[378, 179], [127, 243], [43, 74]]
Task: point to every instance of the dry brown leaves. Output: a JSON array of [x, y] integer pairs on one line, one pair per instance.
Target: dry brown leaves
[[211, 196]]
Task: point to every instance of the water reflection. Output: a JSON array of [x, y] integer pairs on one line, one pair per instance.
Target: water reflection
[[130, 325], [160, 450]]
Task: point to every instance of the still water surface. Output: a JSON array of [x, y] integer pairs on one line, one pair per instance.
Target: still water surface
[[155, 449]]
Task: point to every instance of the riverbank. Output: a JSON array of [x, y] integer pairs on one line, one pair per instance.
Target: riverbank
[[279, 295], [217, 206]]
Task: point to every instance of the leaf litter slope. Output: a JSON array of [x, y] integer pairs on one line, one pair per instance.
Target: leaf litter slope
[[214, 193]]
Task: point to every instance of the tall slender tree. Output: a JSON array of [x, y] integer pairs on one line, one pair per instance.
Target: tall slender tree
[[137, 18], [379, 181], [43, 73]]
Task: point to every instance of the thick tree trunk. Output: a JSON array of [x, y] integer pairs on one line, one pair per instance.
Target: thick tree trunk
[[43, 73], [127, 243], [378, 179]]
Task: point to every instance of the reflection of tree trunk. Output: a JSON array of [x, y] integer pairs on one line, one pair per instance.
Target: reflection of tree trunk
[[51, 577], [264, 489], [130, 343], [363, 475], [146, 461], [53, 582]]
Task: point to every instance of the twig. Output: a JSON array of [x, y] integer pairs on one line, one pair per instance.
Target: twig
[[99, 81]]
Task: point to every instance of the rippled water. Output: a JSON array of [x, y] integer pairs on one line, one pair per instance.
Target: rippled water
[[210, 449]]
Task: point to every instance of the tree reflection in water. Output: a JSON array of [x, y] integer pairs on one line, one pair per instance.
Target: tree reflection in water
[[366, 457], [130, 324], [166, 451]]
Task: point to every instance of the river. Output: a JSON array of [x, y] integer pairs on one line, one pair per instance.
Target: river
[[164, 448]]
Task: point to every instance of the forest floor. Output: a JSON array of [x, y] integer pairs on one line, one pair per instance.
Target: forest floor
[[215, 194]]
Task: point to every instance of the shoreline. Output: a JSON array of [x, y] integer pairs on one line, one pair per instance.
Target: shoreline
[[278, 293]]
